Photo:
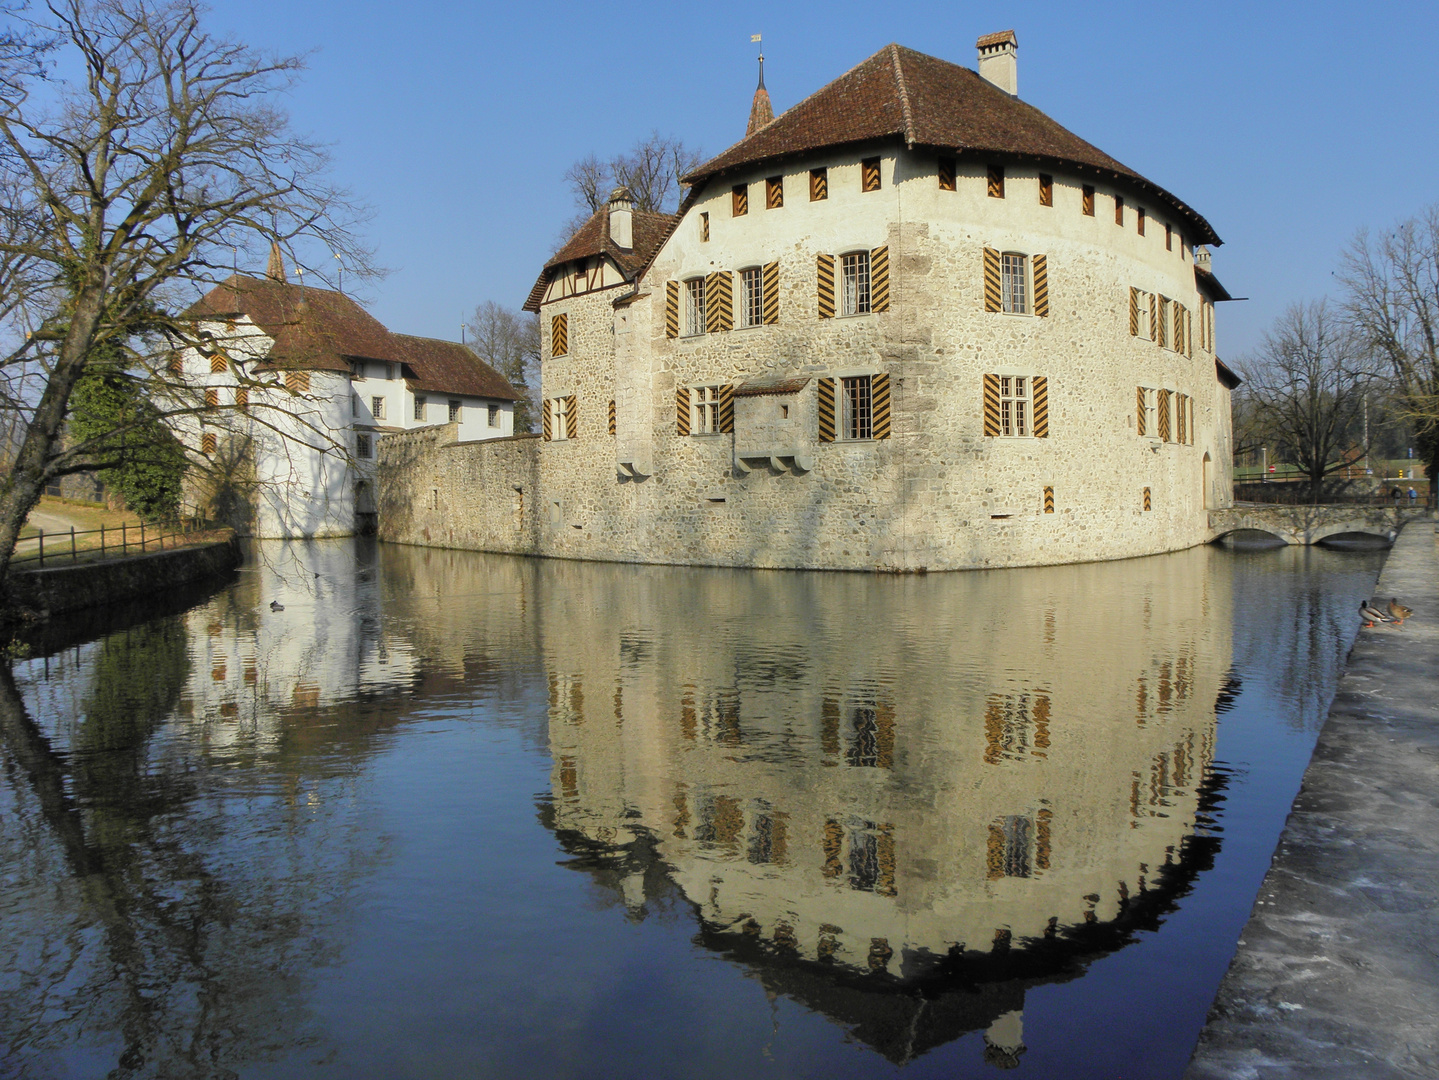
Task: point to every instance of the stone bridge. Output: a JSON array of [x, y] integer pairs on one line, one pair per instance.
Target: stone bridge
[[1314, 524]]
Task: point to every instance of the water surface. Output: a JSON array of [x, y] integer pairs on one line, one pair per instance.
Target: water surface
[[451, 814]]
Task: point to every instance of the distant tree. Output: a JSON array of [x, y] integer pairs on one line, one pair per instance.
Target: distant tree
[[1304, 390], [651, 169], [123, 187], [509, 341], [1392, 300]]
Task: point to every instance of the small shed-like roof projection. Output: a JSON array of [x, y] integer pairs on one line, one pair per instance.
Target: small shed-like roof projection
[[901, 93], [322, 330], [593, 238]]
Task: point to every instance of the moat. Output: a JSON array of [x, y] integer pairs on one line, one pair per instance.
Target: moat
[[454, 814]]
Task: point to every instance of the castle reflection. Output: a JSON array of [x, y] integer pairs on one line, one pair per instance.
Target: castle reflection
[[900, 801]]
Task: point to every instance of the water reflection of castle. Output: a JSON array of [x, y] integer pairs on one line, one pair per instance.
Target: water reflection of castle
[[867, 784]]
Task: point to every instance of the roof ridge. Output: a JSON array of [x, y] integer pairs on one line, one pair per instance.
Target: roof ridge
[[903, 93]]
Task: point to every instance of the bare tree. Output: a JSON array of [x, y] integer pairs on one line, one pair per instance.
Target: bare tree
[[651, 169], [509, 341], [1392, 284], [125, 187], [1306, 388]]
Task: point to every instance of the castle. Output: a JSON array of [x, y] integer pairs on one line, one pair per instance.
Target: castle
[[911, 323]]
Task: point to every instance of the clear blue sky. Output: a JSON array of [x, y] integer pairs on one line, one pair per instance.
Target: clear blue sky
[[1288, 125]]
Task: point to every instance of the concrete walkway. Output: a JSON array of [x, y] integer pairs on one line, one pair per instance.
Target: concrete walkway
[[1337, 973]]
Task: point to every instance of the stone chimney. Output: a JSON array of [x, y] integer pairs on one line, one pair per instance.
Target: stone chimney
[[997, 60], [761, 112], [1201, 258], [622, 213]]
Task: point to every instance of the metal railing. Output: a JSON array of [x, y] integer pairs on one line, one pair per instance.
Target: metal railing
[[120, 541], [1288, 494]]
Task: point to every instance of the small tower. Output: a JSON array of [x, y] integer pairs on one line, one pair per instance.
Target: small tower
[[275, 271], [761, 113]]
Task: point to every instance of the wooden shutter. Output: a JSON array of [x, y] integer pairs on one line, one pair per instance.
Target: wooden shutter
[[572, 417], [207, 443], [996, 181], [704, 228], [1046, 189], [559, 335], [1041, 407], [1133, 311], [1146, 499], [1153, 317], [1164, 415], [682, 410], [719, 302], [946, 174], [1178, 327], [879, 279], [1049, 500], [546, 421], [212, 398], [1181, 427], [1162, 330], [612, 416], [825, 274], [771, 293], [1041, 286], [991, 404], [869, 168], [217, 364], [726, 409], [1139, 217], [826, 410], [818, 184], [242, 397], [992, 299], [1086, 203], [1143, 414], [297, 382], [774, 192], [1188, 334], [879, 406], [176, 364], [672, 309], [1119, 209], [739, 200]]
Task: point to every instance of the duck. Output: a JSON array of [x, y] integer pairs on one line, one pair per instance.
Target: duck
[[1371, 614], [1397, 611], [275, 605]]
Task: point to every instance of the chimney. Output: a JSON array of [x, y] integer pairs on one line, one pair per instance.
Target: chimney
[[1201, 259], [622, 212], [997, 60]]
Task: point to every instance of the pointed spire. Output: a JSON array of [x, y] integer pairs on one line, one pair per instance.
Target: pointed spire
[[275, 271], [761, 113]]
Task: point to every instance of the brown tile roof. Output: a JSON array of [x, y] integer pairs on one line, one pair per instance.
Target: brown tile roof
[[593, 238], [321, 330], [1004, 37], [900, 93], [447, 367], [1209, 285]]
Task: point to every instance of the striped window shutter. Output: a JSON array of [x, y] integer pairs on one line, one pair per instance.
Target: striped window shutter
[[217, 364], [1049, 500], [1163, 328], [991, 404], [672, 309], [869, 169], [879, 406], [726, 409], [1164, 415], [612, 416], [1146, 499], [1133, 311], [771, 293], [212, 398], [572, 417], [559, 335], [946, 174], [682, 410], [723, 286], [1153, 318], [545, 421], [1180, 424], [1041, 286], [242, 396], [1178, 327], [996, 181], [1142, 414], [879, 279], [992, 300], [825, 269], [1041, 407], [826, 410], [1188, 334], [176, 364]]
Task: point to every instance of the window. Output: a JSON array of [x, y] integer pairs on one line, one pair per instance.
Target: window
[[377, 408], [217, 364], [389, 371], [580, 280], [704, 228], [559, 410], [357, 369], [946, 174], [751, 307], [420, 407], [1014, 283], [774, 192], [818, 184], [694, 307], [857, 414], [297, 382], [494, 415], [242, 397], [1119, 209], [705, 403], [855, 273], [739, 200], [1014, 405], [1148, 413], [354, 404], [454, 412], [1086, 200], [1046, 189], [208, 442], [212, 398], [1139, 217], [560, 334], [1168, 238], [362, 446], [869, 174], [996, 181]]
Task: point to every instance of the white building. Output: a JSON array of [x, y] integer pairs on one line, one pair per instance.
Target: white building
[[288, 402]]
